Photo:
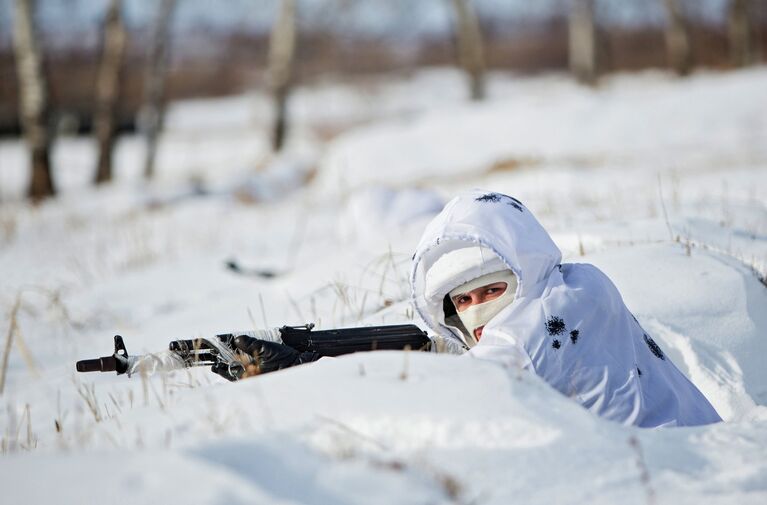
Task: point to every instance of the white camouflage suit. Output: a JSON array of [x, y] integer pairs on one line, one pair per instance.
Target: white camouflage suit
[[567, 323]]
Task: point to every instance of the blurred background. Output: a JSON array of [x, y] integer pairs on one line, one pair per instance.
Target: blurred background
[[101, 69]]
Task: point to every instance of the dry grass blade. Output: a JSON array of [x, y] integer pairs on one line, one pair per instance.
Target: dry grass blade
[[88, 393], [9, 341], [405, 365], [26, 355], [644, 473]]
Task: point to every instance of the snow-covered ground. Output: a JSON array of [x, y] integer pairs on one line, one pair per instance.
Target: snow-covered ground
[[660, 182]]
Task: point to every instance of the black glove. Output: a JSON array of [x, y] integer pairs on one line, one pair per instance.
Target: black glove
[[261, 356]]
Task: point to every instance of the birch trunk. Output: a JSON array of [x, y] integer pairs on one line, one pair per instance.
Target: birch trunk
[[108, 88], [470, 48], [282, 49], [678, 47], [582, 41], [33, 99], [153, 110], [740, 33]]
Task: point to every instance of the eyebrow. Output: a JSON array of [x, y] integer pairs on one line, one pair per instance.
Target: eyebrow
[[480, 287]]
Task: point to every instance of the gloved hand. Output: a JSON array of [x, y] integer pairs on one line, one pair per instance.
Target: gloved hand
[[261, 356]]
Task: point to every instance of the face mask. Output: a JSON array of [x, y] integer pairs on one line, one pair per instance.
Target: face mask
[[479, 315]]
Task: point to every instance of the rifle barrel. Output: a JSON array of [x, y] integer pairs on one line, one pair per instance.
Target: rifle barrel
[[104, 364]]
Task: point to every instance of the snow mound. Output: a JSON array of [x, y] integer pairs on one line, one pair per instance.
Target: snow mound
[[383, 427], [625, 120], [379, 214]]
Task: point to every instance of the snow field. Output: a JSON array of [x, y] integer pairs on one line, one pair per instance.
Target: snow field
[[659, 182]]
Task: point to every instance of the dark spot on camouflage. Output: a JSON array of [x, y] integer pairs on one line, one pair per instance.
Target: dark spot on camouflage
[[515, 203], [490, 197], [559, 267], [639, 371], [574, 336], [497, 197], [556, 344], [555, 326], [654, 348]]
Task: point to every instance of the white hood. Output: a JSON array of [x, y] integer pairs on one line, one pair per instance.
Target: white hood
[[498, 222], [567, 323]]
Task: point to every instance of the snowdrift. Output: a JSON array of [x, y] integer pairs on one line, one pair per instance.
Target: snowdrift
[[631, 121], [659, 182], [383, 427]]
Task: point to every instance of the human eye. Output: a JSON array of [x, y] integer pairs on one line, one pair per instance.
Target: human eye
[[461, 301], [495, 290]]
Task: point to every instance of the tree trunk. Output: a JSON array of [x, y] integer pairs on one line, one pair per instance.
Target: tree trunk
[[582, 43], [470, 48], [282, 49], [153, 110], [33, 99], [677, 34], [758, 17], [740, 33], [108, 88]]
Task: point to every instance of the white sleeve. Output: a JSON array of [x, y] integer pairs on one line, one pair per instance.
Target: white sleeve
[[446, 345]]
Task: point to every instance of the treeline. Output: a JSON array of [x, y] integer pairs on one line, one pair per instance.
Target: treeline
[[123, 84]]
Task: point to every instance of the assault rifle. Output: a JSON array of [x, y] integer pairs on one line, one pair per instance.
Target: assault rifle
[[222, 354]]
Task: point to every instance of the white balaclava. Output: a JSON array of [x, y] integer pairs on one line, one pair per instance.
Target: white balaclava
[[479, 315], [462, 270]]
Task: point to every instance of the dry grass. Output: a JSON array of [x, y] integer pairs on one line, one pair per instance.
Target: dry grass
[[15, 337], [88, 394], [19, 433], [12, 329], [511, 164], [405, 364], [644, 473], [8, 226], [349, 443]]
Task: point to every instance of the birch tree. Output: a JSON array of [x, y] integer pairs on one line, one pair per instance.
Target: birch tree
[[677, 35], [741, 33], [108, 88], [282, 49], [582, 44], [33, 99], [153, 109], [470, 47]]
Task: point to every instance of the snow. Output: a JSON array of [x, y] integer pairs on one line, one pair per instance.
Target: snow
[[660, 182], [626, 121]]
